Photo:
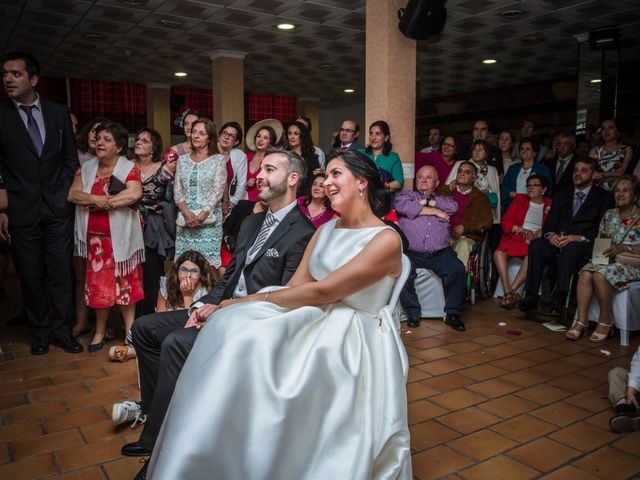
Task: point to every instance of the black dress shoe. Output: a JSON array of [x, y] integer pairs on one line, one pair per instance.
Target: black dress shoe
[[142, 474], [455, 323], [134, 449], [69, 344], [39, 346], [528, 304], [413, 322]]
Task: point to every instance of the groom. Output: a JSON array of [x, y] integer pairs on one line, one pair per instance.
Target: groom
[[270, 247]]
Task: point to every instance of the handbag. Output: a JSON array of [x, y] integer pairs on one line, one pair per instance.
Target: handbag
[[116, 186], [629, 258], [181, 222]]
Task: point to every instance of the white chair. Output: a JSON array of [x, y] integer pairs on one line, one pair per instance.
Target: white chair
[[430, 293], [513, 267], [625, 311]]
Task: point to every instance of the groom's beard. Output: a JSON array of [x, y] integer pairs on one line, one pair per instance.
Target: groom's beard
[[272, 192]]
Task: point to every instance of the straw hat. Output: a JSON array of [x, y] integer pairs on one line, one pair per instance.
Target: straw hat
[[269, 122]]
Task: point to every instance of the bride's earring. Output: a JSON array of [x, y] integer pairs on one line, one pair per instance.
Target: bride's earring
[[360, 193]]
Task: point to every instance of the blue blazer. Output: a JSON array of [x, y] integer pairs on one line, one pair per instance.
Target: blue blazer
[[511, 177]]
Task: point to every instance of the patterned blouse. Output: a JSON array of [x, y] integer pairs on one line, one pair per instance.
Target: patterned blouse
[[610, 162], [156, 188]]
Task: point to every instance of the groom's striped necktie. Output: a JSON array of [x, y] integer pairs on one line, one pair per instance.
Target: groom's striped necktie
[[269, 220]]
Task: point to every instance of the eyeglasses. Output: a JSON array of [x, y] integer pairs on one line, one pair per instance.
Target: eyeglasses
[[348, 130], [189, 271], [226, 134], [533, 185], [447, 144]]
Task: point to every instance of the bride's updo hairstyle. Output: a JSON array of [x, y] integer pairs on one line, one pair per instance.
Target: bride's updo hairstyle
[[363, 167]]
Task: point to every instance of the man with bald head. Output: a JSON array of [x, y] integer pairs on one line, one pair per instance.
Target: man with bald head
[[424, 218]]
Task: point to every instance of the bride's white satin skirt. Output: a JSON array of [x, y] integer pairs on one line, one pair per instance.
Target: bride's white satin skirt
[[278, 394]]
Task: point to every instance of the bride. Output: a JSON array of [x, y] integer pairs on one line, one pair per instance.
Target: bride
[[306, 381]]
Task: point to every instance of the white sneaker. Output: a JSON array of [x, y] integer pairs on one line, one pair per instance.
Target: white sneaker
[[126, 412]]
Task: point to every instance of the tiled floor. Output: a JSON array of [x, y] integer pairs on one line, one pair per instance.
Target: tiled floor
[[482, 405]]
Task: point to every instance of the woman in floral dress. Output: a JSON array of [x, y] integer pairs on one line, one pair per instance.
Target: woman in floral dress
[[199, 185], [107, 232], [612, 156], [622, 224]]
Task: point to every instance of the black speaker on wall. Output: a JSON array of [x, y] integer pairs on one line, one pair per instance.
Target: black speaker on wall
[[422, 18]]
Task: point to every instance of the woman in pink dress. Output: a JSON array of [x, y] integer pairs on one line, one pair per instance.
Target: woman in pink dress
[[315, 204], [260, 136]]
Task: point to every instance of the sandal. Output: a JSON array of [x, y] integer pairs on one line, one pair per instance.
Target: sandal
[[513, 301], [506, 298], [120, 353], [601, 337], [576, 333]]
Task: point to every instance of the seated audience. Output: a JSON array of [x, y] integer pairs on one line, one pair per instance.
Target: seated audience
[[569, 232], [315, 204], [612, 156], [515, 180], [435, 137], [108, 234], [529, 129], [561, 163], [506, 154], [443, 160], [347, 138], [521, 223], [624, 395], [387, 161], [270, 247], [622, 225], [424, 218], [486, 181], [473, 217]]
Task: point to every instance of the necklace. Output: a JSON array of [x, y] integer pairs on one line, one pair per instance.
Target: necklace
[[320, 212]]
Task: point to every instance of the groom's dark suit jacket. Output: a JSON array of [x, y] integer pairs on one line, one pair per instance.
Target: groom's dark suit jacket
[[276, 261]]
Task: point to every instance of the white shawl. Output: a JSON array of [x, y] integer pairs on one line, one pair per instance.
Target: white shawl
[[126, 231]]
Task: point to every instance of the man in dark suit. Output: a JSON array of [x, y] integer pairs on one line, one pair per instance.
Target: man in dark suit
[[349, 132], [569, 232], [561, 164], [267, 253], [38, 159]]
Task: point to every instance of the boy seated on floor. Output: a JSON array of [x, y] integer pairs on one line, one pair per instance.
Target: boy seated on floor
[[624, 394]]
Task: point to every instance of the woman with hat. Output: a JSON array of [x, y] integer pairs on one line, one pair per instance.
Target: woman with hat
[[261, 135]]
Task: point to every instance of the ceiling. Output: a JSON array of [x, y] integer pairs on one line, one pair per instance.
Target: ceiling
[[147, 41]]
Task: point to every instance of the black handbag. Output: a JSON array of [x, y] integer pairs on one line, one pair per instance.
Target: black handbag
[[116, 186]]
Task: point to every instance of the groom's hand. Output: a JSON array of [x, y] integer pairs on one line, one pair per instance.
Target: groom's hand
[[203, 313]]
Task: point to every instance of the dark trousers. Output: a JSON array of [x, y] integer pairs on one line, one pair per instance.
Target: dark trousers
[[162, 345], [152, 270], [42, 255], [446, 265], [568, 260]]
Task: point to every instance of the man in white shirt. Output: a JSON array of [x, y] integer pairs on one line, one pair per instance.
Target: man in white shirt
[[270, 247], [435, 137]]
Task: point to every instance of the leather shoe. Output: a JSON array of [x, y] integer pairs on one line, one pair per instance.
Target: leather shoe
[[39, 346], [528, 304], [413, 322], [134, 449], [69, 344], [142, 474], [455, 323]]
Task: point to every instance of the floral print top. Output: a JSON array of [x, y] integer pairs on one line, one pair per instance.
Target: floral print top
[[156, 188]]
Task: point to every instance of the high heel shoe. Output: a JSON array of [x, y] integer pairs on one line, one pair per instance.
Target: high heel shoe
[[94, 347], [599, 337], [576, 333]]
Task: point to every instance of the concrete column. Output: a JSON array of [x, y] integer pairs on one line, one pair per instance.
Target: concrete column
[[390, 81], [228, 86], [310, 107], [159, 111]]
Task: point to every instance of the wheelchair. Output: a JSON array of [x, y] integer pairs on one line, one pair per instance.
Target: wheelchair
[[482, 275]]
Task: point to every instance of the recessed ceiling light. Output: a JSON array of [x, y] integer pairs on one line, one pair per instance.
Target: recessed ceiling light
[[596, 80], [489, 61], [92, 36], [170, 23], [285, 26], [513, 13], [180, 74], [348, 90]]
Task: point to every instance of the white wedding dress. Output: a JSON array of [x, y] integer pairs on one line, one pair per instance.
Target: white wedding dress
[[289, 394]]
